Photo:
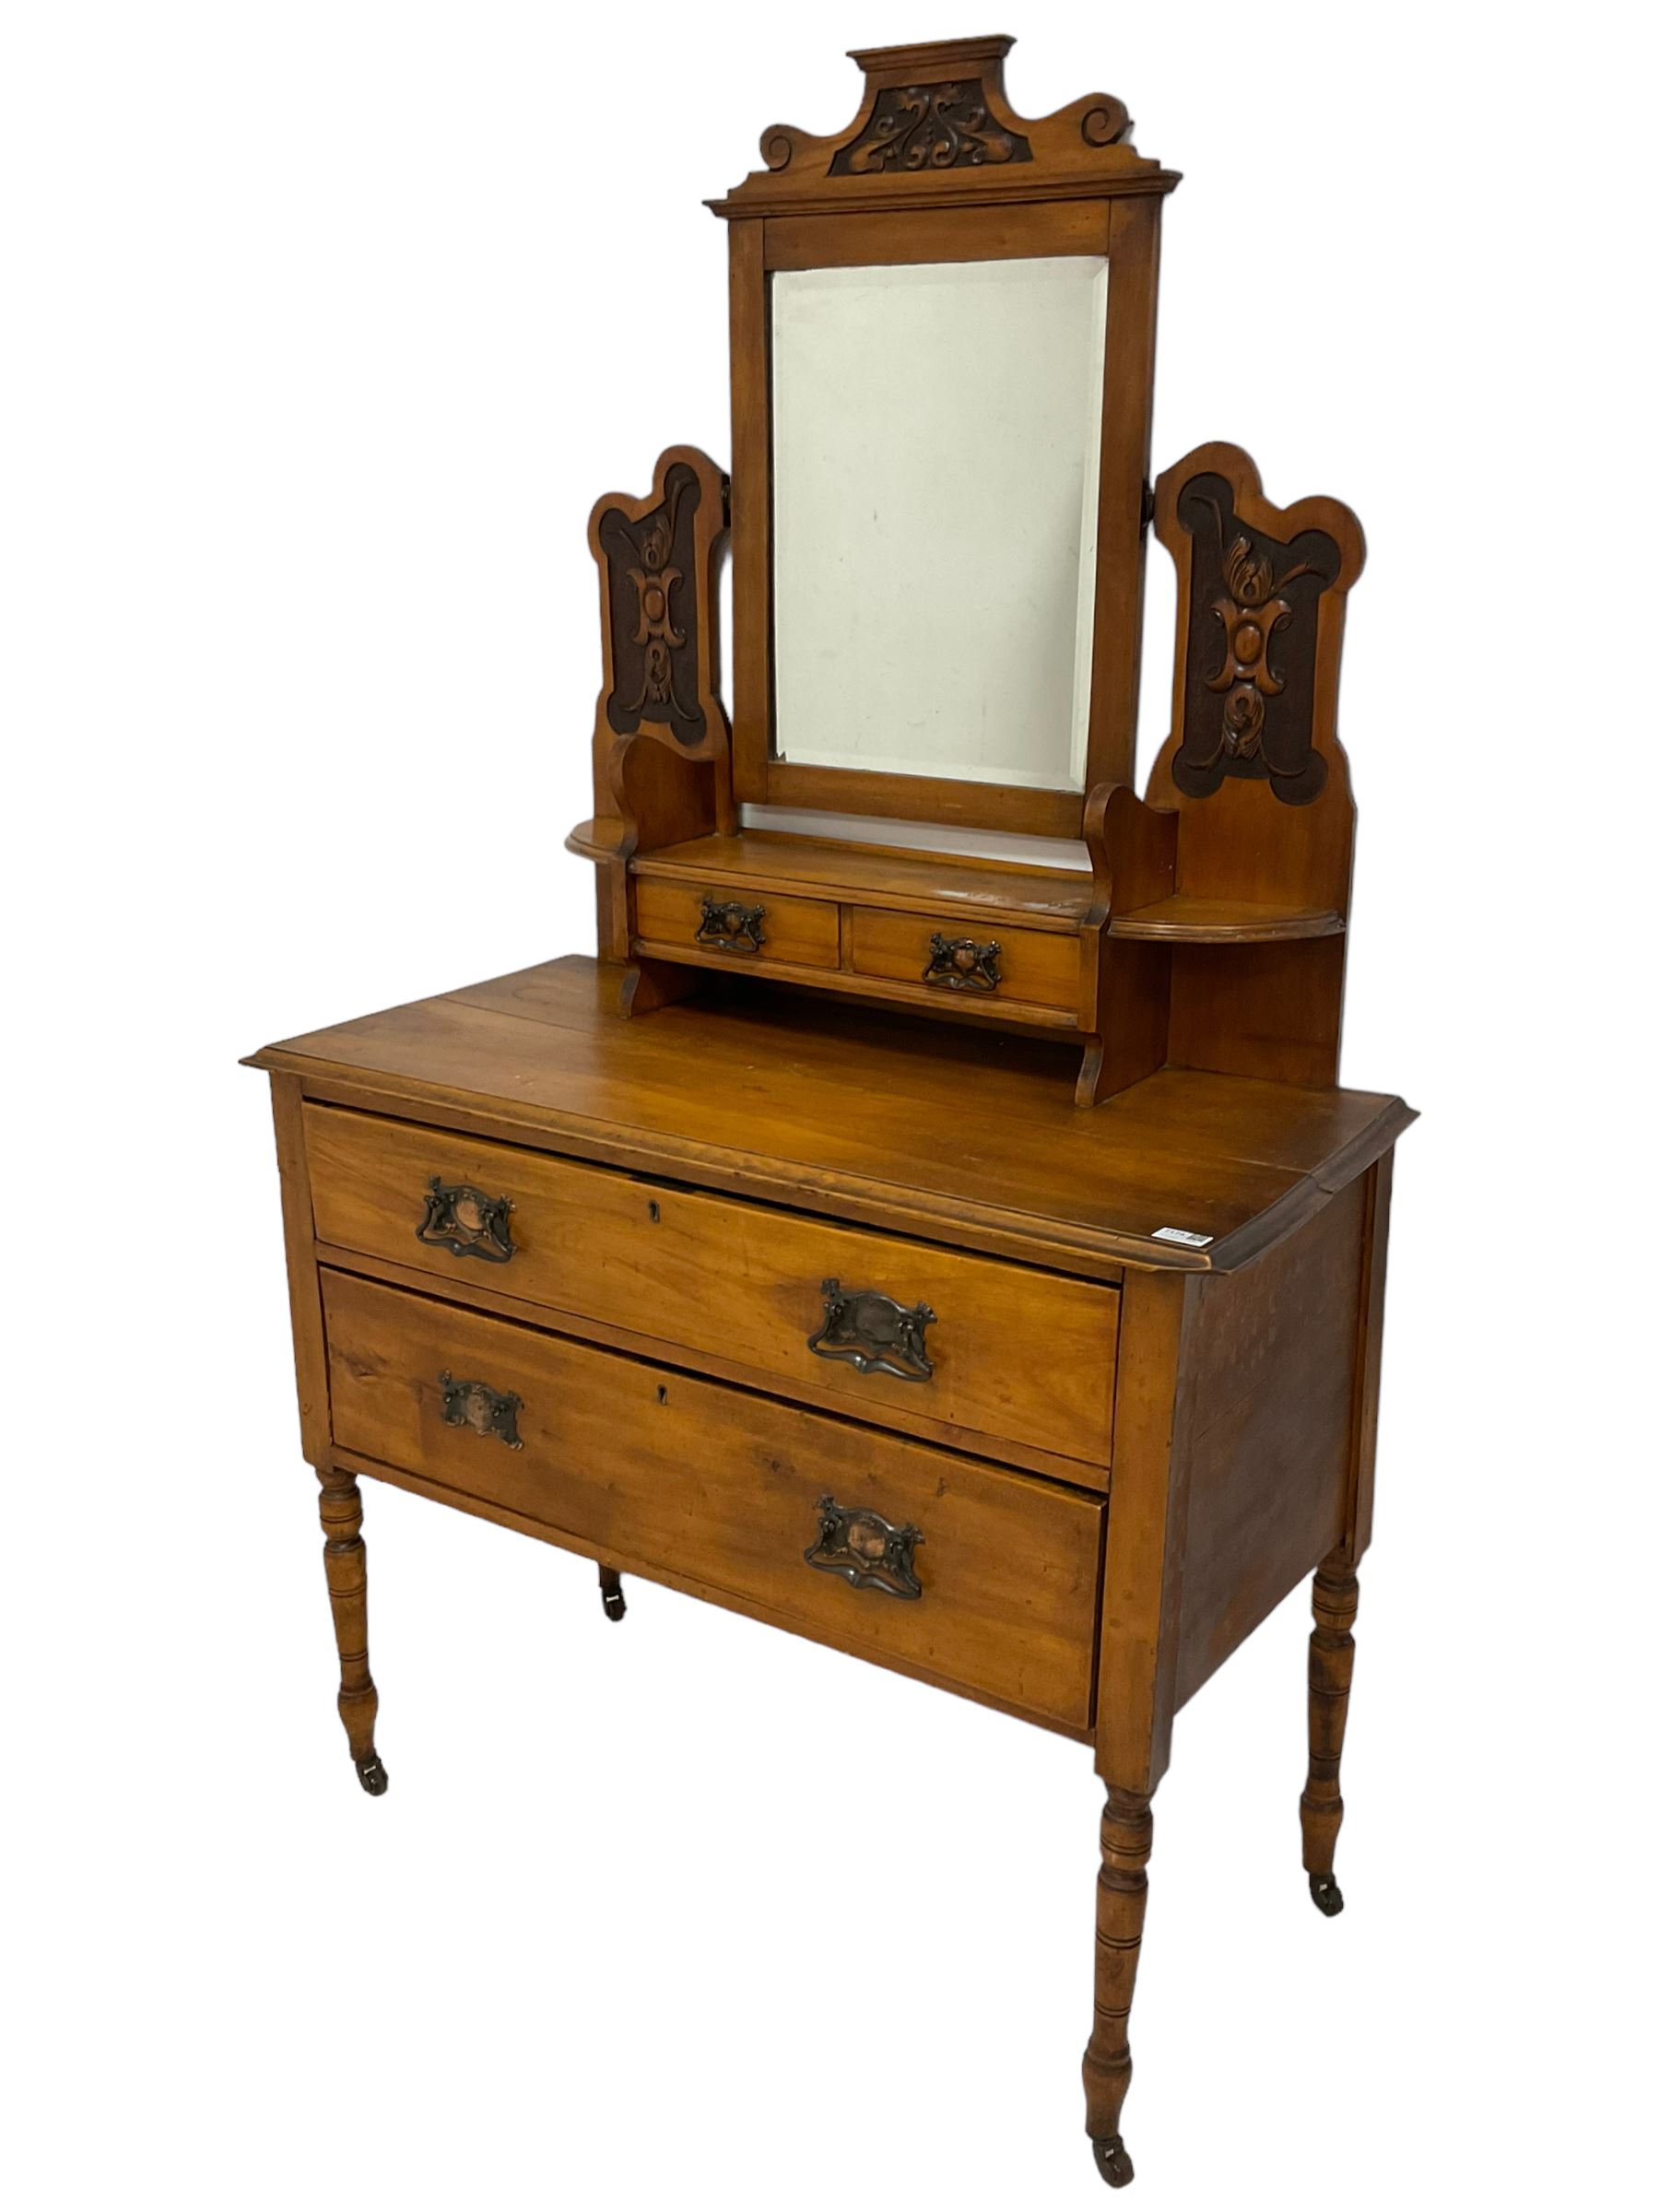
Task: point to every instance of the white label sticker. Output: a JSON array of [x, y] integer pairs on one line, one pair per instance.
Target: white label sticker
[[1183, 1236]]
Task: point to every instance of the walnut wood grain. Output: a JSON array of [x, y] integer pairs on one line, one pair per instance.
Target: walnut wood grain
[[345, 1565], [1330, 1678], [1036, 968], [638, 1463], [1183, 920], [1368, 1386], [808, 1150], [1140, 1618], [658, 557], [942, 1132], [305, 1310], [822, 1395], [1274, 1377], [794, 932], [1017, 1353], [1120, 1916], [900, 237], [923, 883], [912, 180], [1243, 1001], [1082, 150]]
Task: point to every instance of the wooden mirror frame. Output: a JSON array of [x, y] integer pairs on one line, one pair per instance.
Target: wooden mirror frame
[[936, 167]]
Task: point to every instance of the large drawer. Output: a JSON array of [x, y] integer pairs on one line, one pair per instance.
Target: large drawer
[[650, 1468], [1016, 1353]]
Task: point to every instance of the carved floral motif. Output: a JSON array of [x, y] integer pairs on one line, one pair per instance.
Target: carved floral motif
[[1249, 616], [1249, 711], [654, 583], [651, 612], [930, 127]]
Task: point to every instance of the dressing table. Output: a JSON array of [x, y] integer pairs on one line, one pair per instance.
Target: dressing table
[[932, 1224]]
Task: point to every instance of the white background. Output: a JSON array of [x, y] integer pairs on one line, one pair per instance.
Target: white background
[[325, 324]]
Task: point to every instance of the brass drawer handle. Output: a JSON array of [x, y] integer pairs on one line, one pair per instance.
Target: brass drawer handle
[[874, 1332], [963, 964], [462, 1220], [730, 926], [869, 1552], [484, 1411]]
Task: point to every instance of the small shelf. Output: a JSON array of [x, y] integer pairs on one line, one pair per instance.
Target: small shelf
[[1183, 920], [920, 883], [584, 842]]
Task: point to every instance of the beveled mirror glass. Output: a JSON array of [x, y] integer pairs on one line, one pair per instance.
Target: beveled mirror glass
[[936, 475]]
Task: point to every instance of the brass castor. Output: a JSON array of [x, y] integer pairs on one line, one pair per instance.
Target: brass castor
[[610, 1589], [1322, 1890], [371, 1774], [1117, 2168]]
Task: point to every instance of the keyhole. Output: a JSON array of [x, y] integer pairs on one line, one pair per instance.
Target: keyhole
[[655, 1209], [662, 1393]]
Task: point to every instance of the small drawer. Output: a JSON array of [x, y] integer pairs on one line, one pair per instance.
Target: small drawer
[[980, 1578], [970, 962], [867, 1325], [737, 924]]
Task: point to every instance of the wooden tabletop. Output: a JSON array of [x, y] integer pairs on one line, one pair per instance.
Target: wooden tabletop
[[965, 1136]]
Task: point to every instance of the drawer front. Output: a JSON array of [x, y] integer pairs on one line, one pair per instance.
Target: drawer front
[[722, 1487], [1031, 967], [742, 926], [1015, 1353]]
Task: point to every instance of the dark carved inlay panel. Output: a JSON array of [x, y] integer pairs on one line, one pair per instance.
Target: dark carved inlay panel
[[1251, 636], [873, 1332], [652, 571], [867, 1551], [930, 127]]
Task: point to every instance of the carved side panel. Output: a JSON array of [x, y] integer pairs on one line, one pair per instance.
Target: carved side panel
[[657, 559], [1259, 627]]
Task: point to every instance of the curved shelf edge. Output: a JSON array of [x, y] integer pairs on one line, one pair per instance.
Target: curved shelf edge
[[1181, 920], [584, 844]]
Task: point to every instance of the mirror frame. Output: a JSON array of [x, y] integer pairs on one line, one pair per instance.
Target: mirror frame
[[938, 167]]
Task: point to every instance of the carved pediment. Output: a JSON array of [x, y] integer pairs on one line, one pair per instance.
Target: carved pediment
[[935, 123]]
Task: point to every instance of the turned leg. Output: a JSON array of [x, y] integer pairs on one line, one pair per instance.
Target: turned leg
[[1330, 1678], [610, 1589], [345, 1564], [1120, 1909]]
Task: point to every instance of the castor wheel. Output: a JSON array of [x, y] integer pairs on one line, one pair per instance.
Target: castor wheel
[[1322, 1890], [1117, 2168], [610, 1589], [371, 1774]]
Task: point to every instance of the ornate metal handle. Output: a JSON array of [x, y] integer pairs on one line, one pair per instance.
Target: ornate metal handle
[[877, 1334], [730, 926], [464, 1221], [868, 1551], [963, 964], [488, 1412]]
